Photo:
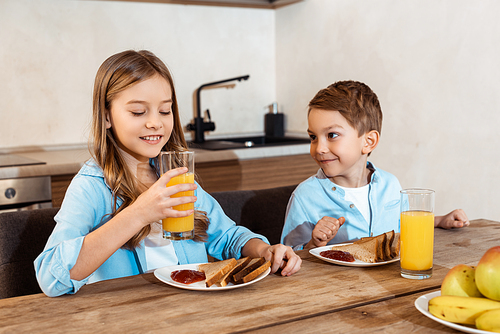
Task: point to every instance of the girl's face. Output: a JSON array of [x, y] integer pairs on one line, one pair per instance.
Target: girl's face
[[336, 146], [141, 118]]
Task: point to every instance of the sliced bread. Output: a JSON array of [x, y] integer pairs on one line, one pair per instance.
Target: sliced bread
[[215, 270], [382, 240], [387, 249], [253, 275], [363, 251], [395, 246], [228, 277], [251, 266]]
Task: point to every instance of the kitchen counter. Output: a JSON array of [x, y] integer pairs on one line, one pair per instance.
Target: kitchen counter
[[66, 161]]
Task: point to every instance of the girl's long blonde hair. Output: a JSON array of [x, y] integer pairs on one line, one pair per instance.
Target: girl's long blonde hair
[[116, 74]]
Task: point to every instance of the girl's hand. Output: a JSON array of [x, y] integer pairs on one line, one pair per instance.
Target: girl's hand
[[281, 256], [455, 219], [324, 231], [284, 258], [156, 203]]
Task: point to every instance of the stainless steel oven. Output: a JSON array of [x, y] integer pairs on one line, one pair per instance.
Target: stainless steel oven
[[23, 193]]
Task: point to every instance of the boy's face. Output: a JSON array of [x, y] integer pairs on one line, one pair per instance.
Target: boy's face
[[337, 148]]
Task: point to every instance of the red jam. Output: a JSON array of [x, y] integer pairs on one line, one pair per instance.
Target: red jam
[[338, 255], [187, 276]]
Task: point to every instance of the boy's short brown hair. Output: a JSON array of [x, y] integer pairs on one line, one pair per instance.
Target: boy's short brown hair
[[355, 101]]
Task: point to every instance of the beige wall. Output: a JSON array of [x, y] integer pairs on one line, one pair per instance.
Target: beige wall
[[51, 50], [435, 66]]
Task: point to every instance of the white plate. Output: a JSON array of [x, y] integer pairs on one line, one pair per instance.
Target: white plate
[[163, 274], [356, 263], [422, 304]]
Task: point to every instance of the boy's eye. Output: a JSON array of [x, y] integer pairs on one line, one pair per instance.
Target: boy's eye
[[312, 137], [137, 112], [332, 135]]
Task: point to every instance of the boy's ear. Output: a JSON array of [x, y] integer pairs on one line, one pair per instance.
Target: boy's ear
[[371, 141]]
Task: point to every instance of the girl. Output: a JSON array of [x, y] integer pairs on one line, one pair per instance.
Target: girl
[[108, 225]]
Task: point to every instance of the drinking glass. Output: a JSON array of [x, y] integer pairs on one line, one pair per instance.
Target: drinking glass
[[417, 233], [183, 227]]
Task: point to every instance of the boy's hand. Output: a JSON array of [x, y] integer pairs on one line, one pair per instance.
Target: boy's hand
[[455, 219], [324, 231]]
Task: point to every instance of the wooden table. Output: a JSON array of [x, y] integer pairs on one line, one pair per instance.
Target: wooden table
[[321, 297]]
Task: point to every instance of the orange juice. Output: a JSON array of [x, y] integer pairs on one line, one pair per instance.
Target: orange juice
[[181, 224], [417, 240]]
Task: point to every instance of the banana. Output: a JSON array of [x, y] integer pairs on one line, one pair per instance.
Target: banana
[[462, 310], [489, 321]]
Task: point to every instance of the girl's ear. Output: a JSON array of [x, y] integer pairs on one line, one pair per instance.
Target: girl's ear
[[108, 121], [371, 141]]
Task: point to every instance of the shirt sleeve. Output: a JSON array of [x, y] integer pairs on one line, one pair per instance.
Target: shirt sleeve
[[298, 226], [225, 238], [74, 221]]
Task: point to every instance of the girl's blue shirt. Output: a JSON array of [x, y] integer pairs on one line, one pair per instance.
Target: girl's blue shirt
[[88, 204], [318, 197]]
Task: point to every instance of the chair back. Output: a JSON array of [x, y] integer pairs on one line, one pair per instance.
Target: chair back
[[23, 235], [262, 211]]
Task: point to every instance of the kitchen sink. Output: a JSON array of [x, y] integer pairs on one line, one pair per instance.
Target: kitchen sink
[[247, 142]]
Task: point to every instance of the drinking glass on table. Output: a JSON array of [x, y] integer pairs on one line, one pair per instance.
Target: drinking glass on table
[[179, 228], [417, 233]]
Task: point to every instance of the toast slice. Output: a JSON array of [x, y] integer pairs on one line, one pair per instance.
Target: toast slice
[[215, 270], [253, 275], [382, 240], [387, 249], [240, 264], [251, 266], [363, 251], [395, 246]]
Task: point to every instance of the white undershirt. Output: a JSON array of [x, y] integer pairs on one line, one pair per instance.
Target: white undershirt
[[359, 197], [159, 252]]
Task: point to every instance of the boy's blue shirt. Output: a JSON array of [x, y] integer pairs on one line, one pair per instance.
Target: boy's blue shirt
[[318, 196], [87, 205]]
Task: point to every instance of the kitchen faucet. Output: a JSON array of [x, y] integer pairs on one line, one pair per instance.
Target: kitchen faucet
[[199, 126]]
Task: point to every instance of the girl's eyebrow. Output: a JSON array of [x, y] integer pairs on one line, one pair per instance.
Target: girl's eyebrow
[[144, 102]]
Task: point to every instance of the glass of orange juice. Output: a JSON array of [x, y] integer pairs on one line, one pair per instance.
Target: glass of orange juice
[[179, 228], [417, 233]]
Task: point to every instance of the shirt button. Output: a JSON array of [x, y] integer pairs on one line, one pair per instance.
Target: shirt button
[[334, 188], [351, 206]]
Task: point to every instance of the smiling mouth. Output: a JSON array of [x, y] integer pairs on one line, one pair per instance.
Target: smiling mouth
[[325, 161], [151, 139]]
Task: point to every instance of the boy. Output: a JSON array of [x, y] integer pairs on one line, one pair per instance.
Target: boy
[[345, 121]]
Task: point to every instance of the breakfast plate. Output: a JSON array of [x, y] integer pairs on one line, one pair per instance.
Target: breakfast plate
[[422, 304], [163, 274], [357, 263]]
